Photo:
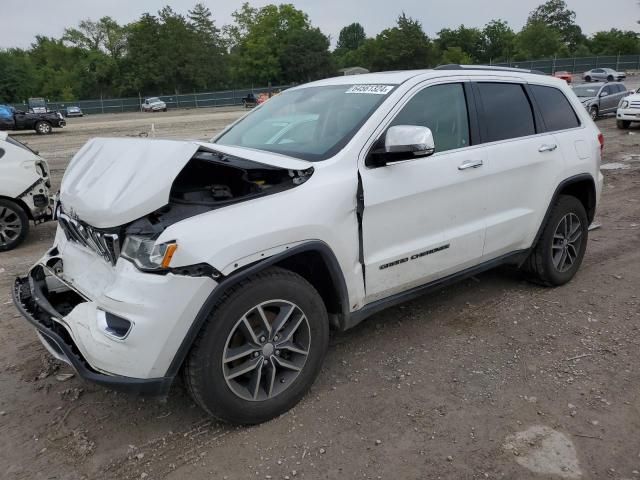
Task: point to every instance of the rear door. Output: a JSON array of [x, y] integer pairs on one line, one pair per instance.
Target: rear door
[[424, 217], [523, 162], [609, 102]]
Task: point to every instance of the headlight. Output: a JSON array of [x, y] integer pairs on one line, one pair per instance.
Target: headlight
[[623, 104], [146, 255]]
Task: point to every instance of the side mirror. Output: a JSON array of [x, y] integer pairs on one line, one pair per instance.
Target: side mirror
[[604, 94], [402, 142]]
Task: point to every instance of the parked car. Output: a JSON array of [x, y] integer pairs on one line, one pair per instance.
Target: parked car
[[153, 104], [24, 191], [230, 261], [628, 110], [37, 105], [604, 75], [600, 98], [564, 75], [73, 111], [42, 123], [249, 101]]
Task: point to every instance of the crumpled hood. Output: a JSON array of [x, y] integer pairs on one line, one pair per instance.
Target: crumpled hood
[[114, 181]]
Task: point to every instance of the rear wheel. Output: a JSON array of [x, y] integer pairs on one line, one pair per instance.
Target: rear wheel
[[14, 225], [43, 128], [623, 124], [593, 111], [260, 350], [557, 256], [610, 78]]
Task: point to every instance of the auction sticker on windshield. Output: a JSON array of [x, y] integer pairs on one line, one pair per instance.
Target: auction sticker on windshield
[[371, 89]]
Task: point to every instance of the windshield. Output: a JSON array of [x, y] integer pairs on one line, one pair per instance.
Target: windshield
[[586, 91], [153, 100], [311, 123]]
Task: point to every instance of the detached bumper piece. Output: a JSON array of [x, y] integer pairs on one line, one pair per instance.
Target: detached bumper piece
[[45, 311]]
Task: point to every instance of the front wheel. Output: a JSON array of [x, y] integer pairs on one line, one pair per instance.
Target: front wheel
[[43, 128], [14, 225], [623, 124], [593, 112], [261, 349], [557, 255]]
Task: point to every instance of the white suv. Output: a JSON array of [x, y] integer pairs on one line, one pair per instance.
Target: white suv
[[230, 261]]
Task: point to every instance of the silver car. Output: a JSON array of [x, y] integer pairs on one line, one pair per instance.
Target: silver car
[[603, 74], [600, 98]]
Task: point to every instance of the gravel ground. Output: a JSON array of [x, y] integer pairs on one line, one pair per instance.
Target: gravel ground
[[491, 378]]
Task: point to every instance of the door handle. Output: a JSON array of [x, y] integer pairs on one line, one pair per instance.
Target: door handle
[[470, 164], [547, 148]]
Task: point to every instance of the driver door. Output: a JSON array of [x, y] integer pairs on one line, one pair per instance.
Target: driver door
[[423, 218]]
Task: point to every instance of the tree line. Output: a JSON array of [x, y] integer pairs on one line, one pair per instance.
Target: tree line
[[170, 53]]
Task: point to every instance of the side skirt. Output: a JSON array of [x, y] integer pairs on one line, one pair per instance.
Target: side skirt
[[515, 258]]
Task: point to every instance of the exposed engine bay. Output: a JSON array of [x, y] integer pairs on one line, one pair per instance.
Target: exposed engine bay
[[212, 180]]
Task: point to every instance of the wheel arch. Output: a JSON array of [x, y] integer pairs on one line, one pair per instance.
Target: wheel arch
[[582, 187], [313, 260], [21, 204]]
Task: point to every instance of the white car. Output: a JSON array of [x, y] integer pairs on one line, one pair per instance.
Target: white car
[[153, 104], [628, 110], [230, 261], [24, 191]]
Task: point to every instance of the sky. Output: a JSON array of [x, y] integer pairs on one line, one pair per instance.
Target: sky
[[22, 20]]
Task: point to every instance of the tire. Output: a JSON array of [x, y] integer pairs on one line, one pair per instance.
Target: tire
[[164, 109], [545, 261], [14, 225], [594, 113], [623, 124], [43, 128], [610, 78], [235, 400], [587, 78]]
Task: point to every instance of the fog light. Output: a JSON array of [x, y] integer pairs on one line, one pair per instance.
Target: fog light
[[113, 325]]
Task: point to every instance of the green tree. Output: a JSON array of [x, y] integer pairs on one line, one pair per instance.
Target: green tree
[[455, 55], [208, 57], [18, 78], [614, 42], [351, 37], [471, 41], [404, 46], [306, 56], [499, 41], [556, 15], [537, 40]]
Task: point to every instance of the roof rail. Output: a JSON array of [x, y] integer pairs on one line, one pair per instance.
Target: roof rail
[[455, 66]]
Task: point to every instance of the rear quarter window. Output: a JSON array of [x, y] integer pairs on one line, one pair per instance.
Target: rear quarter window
[[507, 111], [557, 112]]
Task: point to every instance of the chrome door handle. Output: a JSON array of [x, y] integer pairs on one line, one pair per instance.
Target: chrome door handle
[[470, 164], [547, 148]]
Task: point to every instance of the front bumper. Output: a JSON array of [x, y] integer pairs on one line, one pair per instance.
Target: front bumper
[[631, 114], [70, 294], [30, 300]]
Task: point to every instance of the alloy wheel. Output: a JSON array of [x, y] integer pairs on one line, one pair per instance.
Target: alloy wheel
[[567, 240], [266, 350], [10, 225]]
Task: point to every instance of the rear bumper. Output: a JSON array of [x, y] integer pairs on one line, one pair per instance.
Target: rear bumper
[[30, 299]]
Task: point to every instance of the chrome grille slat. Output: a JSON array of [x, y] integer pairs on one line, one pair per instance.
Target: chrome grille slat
[[106, 245]]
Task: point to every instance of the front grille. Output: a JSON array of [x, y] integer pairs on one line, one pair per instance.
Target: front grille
[[634, 104], [105, 244]]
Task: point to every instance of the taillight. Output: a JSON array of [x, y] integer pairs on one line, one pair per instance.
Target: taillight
[[601, 141]]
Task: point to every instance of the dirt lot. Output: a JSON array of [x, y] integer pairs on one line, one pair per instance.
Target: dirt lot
[[492, 378]]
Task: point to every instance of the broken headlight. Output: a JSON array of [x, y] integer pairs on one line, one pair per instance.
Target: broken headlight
[[146, 255]]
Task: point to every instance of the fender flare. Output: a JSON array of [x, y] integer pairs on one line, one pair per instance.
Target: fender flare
[[316, 246], [561, 186]]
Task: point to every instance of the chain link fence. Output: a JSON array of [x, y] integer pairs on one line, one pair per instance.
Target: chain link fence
[[577, 64], [224, 98], [228, 98]]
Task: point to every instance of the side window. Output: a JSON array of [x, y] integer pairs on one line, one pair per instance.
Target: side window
[[443, 109], [557, 112], [607, 89], [507, 111]]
